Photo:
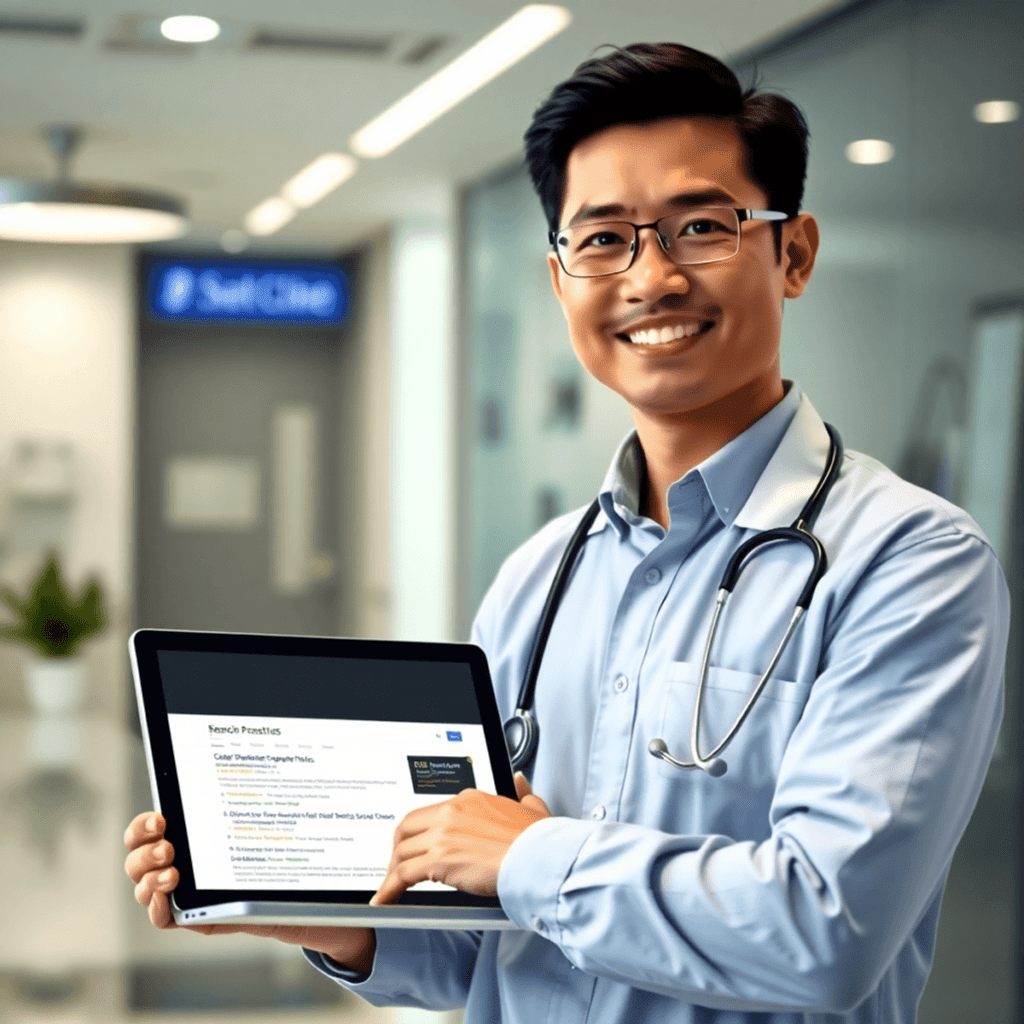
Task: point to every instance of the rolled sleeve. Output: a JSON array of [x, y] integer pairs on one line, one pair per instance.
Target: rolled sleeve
[[534, 870], [426, 969]]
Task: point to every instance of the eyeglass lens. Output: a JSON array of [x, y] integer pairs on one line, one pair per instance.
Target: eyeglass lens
[[607, 247]]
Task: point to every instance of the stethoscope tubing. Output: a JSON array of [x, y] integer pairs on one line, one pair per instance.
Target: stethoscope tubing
[[523, 748]]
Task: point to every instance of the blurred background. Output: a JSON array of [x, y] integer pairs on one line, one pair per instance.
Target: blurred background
[[334, 401]]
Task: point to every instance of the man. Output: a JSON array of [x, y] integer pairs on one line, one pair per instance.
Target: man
[[804, 883]]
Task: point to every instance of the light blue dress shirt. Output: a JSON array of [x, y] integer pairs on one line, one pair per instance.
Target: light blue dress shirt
[[804, 884]]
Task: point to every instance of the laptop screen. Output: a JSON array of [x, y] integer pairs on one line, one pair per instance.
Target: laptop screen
[[294, 771]]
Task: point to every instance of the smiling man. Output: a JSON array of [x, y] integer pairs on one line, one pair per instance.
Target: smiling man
[[803, 882]]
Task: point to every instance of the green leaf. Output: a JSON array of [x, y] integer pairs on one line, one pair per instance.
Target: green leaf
[[49, 618]]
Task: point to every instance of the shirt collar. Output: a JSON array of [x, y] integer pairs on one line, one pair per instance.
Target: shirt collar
[[753, 481]]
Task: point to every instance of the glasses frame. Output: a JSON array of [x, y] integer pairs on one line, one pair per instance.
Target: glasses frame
[[741, 213]]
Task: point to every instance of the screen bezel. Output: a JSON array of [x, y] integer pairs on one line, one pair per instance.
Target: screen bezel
[[144, 645]]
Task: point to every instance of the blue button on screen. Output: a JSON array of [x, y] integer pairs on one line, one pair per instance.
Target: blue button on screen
[[454, 735]]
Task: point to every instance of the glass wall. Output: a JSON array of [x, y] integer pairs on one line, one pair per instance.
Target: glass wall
[[908, 338]]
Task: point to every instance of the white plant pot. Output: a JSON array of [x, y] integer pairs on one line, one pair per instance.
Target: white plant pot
[[56, 686]]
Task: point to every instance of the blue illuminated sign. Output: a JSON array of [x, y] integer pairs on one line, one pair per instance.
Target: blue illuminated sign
[[247, 292]]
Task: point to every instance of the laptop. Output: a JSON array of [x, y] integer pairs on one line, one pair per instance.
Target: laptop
[[283, 764]]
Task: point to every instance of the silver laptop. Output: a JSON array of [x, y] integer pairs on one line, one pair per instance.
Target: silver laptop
[[283, 764]]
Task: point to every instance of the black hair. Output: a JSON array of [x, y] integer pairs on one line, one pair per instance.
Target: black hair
[[650, 81]]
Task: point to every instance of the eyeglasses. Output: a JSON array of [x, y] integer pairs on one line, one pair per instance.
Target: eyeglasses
[[704, 235]]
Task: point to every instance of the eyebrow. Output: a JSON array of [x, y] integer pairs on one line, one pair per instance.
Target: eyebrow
[[680, 201]]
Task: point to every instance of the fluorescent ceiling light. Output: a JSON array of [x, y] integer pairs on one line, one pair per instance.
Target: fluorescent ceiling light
[[870, 151], [189, 28], [997, 111], [319, 178], [527, 29], [271, 215]]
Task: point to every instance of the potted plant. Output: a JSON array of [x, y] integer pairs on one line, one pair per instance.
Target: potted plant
[[55, 624]]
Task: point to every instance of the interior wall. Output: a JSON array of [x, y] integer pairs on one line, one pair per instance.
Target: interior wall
[[66, 337], [421, 464], [373, 414]]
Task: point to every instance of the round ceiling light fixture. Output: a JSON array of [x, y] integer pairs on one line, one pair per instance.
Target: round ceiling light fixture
[[189, 28], [64, 211]]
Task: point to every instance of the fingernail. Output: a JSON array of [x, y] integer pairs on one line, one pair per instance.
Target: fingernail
[[165, 876], [151, 823]]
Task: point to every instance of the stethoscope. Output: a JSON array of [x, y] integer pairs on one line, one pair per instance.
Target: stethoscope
[[522, 731]]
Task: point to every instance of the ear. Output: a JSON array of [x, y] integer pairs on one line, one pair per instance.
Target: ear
[[557, 280], [556, 275], [800, 238]]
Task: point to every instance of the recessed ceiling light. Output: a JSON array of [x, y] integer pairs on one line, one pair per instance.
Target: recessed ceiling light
[[319, 178], [269, 216], [189, 28], [997, 111], [870, 151], [510, 42]]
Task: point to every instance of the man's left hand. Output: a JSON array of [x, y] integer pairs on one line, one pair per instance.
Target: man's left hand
[[460, 842]]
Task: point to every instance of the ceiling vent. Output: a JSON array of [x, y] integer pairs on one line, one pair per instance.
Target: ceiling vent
[[285, 41], [41, 27]]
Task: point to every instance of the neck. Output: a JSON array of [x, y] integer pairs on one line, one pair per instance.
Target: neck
[[674, 444]]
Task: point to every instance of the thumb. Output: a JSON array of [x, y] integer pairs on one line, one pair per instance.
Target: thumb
[[527, 797], [523, 787]]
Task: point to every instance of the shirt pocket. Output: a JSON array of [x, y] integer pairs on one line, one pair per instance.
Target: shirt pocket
[[755, 753]]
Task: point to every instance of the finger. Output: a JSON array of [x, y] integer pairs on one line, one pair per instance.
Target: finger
[[416, 821], [523, 788], [407, 873], [534, 803], [160, 910], [153, 882], [145, 828], [149, 857]]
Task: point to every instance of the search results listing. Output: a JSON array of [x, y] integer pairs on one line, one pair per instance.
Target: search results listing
[[289, 803]]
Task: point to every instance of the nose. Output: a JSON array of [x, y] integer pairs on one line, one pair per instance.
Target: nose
[[652, 267]]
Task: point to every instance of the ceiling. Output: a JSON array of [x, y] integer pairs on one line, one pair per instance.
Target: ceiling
[[225, 124]]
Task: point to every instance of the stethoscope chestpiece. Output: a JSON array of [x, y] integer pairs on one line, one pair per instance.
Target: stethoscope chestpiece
[[713, 766], [521, 736]]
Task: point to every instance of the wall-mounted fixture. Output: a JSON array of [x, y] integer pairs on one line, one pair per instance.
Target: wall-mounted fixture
[[64, 211]]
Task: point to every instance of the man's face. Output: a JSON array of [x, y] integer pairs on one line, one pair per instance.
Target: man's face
[[638, 173]]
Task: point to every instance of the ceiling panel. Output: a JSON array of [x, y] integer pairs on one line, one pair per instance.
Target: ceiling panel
[[225, 125]]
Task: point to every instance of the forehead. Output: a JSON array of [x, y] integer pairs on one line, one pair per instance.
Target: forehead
[[641, 165]]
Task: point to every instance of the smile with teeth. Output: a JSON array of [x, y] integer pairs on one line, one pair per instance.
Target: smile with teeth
[[663, 335]]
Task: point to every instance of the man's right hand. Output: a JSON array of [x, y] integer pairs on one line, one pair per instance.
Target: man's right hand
[[150, 865]]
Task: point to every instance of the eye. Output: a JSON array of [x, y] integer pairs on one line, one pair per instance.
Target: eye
[[701, 226], [601, 240]]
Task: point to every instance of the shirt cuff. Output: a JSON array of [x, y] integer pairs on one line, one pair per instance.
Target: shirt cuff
[[323, 963], [534, 870]]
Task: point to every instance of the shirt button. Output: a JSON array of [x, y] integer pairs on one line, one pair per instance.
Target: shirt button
[[538, 925], [621, 684], [652, 576], [598, 812]]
